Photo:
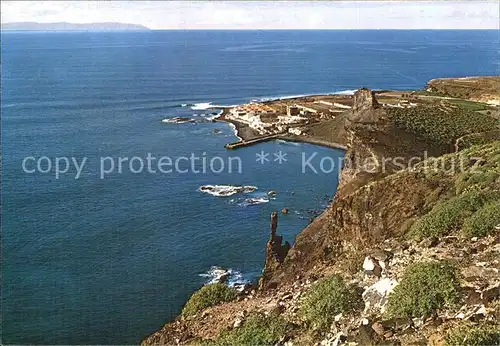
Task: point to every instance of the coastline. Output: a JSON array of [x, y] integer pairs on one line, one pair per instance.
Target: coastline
[[312, 140], [247, 136], [242, 131]]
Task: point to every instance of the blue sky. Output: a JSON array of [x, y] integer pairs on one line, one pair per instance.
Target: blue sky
[[263, 14]]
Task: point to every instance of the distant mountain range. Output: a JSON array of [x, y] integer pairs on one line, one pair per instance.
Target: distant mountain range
[[63, 26]]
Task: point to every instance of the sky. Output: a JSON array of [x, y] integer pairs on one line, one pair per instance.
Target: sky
[[263, 14]]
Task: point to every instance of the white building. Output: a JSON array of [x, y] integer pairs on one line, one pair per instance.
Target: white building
[[295, 131]]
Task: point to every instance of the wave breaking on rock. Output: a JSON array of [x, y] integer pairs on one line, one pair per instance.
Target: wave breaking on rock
[[178, 120], [226, 190], [230, 277], [246, 202]]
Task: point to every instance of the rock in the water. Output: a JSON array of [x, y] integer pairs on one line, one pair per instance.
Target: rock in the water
[[284, 211], [223, 278]]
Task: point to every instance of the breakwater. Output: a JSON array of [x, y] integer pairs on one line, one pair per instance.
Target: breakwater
[[247, 143]]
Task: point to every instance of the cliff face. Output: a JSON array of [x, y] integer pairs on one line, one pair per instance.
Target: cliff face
[[367, 209], [367, 236]]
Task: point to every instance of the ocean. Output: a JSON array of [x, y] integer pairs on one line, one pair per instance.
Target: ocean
[[108, 258]]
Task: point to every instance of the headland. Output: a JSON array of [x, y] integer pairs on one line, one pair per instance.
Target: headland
[[318, 119], [404, 255]]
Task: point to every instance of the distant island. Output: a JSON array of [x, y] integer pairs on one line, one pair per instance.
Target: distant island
[[63, 26]]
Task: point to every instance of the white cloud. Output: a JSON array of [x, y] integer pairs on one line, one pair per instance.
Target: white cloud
[[263, 15]]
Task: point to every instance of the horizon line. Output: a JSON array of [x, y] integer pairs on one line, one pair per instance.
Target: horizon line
[[266, 29]]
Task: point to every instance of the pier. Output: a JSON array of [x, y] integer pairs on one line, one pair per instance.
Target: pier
[[301, 139], [243, 143], [309, 140]]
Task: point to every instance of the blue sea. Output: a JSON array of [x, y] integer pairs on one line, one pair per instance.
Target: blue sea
[[109, 261]]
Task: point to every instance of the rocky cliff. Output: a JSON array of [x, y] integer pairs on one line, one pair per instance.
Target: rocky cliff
[[408, 252]]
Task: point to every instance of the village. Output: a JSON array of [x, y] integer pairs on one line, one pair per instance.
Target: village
[[292, 116]]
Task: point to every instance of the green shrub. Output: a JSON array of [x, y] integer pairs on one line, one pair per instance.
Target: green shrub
[[449, 215], [424, 288], [208, 296], [434, 124], [482, 335], [325, 299], [257, 329], [478, 180], [483, 221]]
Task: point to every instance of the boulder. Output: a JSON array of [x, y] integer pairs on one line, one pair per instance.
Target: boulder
[[491, 293], [378, 328], [223, 278], [381, 255], [339, 339], [429, 242], [366, 336], [375, 296], [242, 286], [237, 322], [371, 266]]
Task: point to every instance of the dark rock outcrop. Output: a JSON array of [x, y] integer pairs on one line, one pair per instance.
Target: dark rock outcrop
[[364, 99], [366, 109], [276, 252]]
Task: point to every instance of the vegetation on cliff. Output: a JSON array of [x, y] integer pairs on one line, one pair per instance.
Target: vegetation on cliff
[[208, 296], [470, 205], [328, 297], [257, 329], [424, 288], [440, 125], [483, 222], [460, 212], [481, 335]]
